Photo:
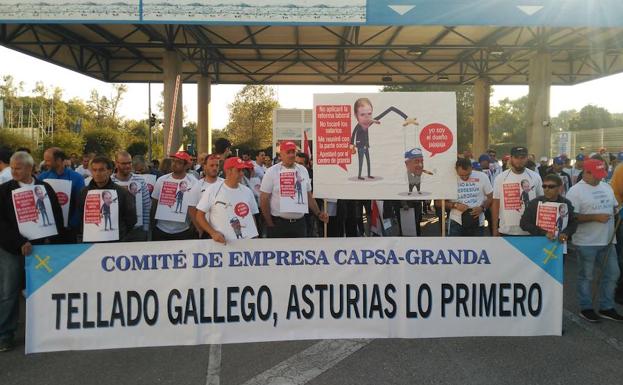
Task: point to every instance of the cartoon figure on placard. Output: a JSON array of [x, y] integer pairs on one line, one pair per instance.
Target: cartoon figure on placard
[[179, 196], [237, 227], [414, 161], [525, 192], [133, 188], [105, 210], [41, 195], [360, 138], [298, 185], [561, 221]]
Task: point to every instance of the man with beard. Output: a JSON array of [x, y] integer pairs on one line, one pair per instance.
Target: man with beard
[[508, 188]]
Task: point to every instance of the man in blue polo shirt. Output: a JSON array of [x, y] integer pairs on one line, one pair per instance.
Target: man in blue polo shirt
[[54, 159]]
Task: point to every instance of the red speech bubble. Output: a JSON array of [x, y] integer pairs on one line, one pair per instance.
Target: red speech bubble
[[436, 138], [241, 209], [62, 198], [333, 130]]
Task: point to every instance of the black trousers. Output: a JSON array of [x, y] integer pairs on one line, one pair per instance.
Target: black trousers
[[286, 228], [159, 235]]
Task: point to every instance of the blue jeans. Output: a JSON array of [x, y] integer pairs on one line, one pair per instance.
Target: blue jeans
[[456, 230], [587, 256], [10, 277], [361, 153]]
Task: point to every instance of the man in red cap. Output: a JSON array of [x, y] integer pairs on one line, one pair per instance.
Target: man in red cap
[[177, 190], [282, 208], [226, 209], [595, 205]]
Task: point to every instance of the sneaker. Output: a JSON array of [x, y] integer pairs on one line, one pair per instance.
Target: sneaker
[[590, 315], [7, 345], [611, 314]]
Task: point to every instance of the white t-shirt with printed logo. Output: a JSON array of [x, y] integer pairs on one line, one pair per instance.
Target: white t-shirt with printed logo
[[230, 210], [514, 192], [271, 185], [472, 193], [587, 199], [194, 193]]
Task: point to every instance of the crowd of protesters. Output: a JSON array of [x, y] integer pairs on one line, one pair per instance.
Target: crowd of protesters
[[224, 197]]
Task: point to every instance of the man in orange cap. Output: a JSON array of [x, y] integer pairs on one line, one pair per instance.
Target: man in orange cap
[[175, 224]]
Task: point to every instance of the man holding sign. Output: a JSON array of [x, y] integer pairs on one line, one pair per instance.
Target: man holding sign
[[138, 190], [20, 228], [226, 209], [97, 199], [546, 215]]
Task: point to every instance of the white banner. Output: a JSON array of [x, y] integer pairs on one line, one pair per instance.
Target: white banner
[[388, 145], [199, 292], [62, 188]]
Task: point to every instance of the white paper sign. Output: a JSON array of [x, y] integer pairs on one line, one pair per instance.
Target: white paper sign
[[292, 192], [388, 145], [173, 200], [150, 180], [134, 188], [101, 216], [291, 289], [63, 194], [33, 212]]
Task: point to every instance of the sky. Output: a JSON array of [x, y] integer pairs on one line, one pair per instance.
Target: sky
[[603, 92]]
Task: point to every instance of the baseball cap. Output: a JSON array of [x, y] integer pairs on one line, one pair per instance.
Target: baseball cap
[[414, 153], [580, 157], [182, 155], [484, 157], [476, 166], [235, 162], [519, 151], [620, 156], [287, 146], [597, 168], [559, 161]]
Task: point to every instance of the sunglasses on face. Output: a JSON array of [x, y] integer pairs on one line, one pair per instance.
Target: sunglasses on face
[[550, 186]]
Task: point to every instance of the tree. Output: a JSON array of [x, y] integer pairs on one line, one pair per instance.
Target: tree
[[508, 121], [591, 117], [464, 107], [104, 141], [138, 148], [69, 141], [563, 120], [251, 117]]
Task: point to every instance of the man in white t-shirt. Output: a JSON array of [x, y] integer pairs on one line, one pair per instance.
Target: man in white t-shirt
[[83, 169], [210, 172], [513, 189], [5, 167], [226, 209], [258, 164], [175, 196], [474, 197], [595, 206], [285, 196]]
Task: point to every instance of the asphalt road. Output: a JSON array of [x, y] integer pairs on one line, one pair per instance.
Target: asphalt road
[[585, 354]]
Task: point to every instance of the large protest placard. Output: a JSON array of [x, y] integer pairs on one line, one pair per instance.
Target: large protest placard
[[150, 181], [388, 145], [136, 193], [33, 212], [62, 188], [200, 292], [101, 216]]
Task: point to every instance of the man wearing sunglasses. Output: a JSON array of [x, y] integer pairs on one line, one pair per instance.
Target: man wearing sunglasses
[[552, 186]]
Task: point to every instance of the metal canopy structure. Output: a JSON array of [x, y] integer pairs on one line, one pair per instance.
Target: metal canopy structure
[[327, 54]]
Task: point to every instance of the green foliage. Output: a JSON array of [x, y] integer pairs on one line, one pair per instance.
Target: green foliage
[[508, 122], [69, 141], [251, 117], [103, 141], [464, 108], [591, 117], [14, 140], [137, 148]]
